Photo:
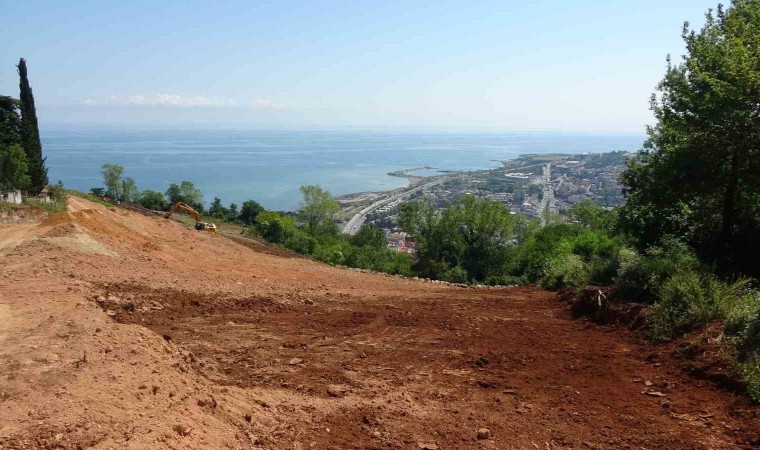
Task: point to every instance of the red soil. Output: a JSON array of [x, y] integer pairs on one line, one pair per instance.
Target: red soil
[[174, 338]]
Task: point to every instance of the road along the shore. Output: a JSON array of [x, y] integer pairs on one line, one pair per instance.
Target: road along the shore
[[356, 222]]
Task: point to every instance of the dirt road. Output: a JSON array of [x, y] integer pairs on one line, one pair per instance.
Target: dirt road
[[133, 331]]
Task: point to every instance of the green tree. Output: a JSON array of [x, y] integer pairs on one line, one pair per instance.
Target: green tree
[[370, 236], [30, 132], [317, 210], [129, 190], [58, 194], [249, 211], [14, 172], [98, 192], [10, 122], [485, 229], [274, 227], [438, 247], [153, 200], [112, 180], [217, 209], [470, 237], [698, 176], [589, 214], [185, 192]]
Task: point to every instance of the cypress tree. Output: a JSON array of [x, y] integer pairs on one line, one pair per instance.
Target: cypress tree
[[30, 133]]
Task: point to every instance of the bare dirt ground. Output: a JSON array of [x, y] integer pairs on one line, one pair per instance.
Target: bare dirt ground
[[119, 330]]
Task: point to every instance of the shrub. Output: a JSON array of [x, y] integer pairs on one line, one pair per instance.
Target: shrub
[[331, 255], [151, 200], [567, 270], [273, 227], [590, 243], [456, 274], [744, 321], [751, 372], [602, 270], [641, 276], [744, 315], [682, 304], [301, 243], [689, 299], [399, 264]]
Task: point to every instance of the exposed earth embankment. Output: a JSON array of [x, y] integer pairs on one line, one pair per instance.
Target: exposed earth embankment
[[120, 330]]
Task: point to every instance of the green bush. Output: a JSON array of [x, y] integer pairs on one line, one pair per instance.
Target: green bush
[[273, 226], [681, 304], [641, 276], [301, 243], [397, 263], [689, 299], [456, 274], [744, 316], [602, 270], [567, 270], [152, 200], [743, 320], [591, 243], [751, 372]]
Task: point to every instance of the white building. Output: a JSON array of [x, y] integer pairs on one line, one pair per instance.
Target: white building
[[11, 197]]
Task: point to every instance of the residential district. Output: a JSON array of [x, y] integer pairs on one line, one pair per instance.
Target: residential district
[[537, 186]]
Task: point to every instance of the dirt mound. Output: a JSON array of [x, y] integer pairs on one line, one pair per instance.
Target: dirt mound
[[190, 340], [16, 215]]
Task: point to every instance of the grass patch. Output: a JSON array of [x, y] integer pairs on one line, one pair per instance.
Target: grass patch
[[91, 198], [4, 206], [49, 207]]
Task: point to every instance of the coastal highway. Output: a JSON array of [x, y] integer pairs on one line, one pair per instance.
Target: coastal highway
[[356, 222]]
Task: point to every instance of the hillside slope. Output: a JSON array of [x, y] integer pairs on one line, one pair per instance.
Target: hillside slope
[[122, 330]]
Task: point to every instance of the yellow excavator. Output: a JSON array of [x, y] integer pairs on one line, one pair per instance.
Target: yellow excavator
[[199, 224]]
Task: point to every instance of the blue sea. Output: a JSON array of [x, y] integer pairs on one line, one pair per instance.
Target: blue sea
[[270, 165]]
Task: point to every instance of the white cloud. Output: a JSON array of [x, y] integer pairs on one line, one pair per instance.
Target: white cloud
[[90, 102], [167, 100]]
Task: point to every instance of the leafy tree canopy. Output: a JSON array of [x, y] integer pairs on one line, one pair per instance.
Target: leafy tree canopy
[[589, 214], [472, 235], [58, 193], [14, 172], [98, 192], [698, 176], [317, 210], [217, 209], [153, 200], [10, 122], [185, 192], [112, 180], [370, 236], [129, 190], [249, 211]]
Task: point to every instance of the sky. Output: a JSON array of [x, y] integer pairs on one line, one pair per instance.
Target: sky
[[542, 65]]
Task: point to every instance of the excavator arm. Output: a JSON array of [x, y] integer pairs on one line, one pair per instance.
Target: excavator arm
[[199, 224]]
